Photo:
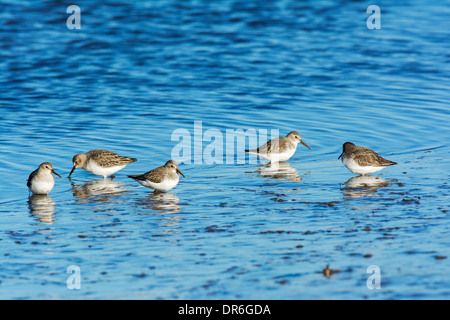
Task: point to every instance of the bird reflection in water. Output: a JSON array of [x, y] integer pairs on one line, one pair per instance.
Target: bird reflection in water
[[100, 190], [279, 170], [42, 207], [364, 185], [164, 202]]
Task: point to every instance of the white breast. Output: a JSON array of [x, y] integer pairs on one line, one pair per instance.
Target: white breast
[[94, 168], [356, 168], [42, 187], [276, 157], [283, 156], [165, 185]]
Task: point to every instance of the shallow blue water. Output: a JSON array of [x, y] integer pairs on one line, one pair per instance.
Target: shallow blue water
[[137, 71]]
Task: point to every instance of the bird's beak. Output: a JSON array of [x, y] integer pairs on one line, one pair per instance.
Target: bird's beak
[[304, 143], [180, 173], [72, 171], [53, 171], [340, 155]]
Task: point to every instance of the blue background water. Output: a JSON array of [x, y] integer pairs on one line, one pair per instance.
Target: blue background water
[[136, 71]]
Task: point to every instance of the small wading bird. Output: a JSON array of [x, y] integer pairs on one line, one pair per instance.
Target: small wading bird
[[100, 162], [279, 149], [41, 180], [160, 179], [362, 160]]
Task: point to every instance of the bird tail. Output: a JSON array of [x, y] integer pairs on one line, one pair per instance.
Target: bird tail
[[389, 163], [137, 177]]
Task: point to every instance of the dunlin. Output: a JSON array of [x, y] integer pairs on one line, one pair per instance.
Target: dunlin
[[160, 179], [279, 149], [41, 180], [100, 162], [362, 160]]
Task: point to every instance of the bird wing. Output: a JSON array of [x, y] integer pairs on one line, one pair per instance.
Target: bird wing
[[155, 175], [31, 178], [367, 157], [266, 147], [270, 146], [107, 159]]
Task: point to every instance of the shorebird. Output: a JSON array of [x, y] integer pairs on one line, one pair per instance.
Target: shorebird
[[362, 160], [100, 162], [41, 180], [160, 179], [279, 149]]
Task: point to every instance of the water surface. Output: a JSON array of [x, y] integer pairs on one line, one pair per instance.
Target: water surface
[[137, 71]]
